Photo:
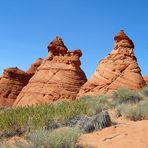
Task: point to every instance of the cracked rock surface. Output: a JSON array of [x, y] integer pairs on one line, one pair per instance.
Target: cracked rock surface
[[58, 77], [118, 69]]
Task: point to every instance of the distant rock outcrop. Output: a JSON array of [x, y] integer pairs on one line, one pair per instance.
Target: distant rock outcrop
[[146, 79], [118, 69], [12, 82], [58, 77]]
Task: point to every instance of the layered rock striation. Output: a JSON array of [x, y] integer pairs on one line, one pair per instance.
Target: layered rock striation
[[58, 77], [118, 69]]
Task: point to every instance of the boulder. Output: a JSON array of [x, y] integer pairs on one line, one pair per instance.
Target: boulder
[[118, 69], [58, 77]]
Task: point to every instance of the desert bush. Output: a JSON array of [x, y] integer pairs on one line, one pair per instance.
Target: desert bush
[[143, 107], [96, 104], [99, 121], [64, 137], [90, 123], [59, 138], [124, 95], [38, 138], [144, 91], [135, 112]]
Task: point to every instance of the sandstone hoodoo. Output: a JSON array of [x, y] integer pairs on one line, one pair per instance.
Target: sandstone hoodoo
[[58, 77], [118, 69], [146, 79], [11, 83]]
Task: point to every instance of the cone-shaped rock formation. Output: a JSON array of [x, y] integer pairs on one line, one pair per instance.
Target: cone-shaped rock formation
[[58, 77], [118, 69]]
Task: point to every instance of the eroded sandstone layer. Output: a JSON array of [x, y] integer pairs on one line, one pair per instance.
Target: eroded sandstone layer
[[118, 69], [58, 77]]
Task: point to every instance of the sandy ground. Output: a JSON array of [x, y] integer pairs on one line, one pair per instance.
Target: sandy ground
[[11, 142], [125, 135]]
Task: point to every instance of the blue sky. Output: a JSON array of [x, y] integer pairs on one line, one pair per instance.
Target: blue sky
[[27, 26]]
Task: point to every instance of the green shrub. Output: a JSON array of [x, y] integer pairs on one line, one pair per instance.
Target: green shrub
[[129, 111], [135, 112], [144, 91], [44, 115], [124, 95], [63, 137], [58, 138], [38, 138], [96, 104], [143, 107]]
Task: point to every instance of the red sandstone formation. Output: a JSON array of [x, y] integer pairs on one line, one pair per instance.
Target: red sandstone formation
[[58, 77], [31, 71], [146, 79], [118, 69], [11, 83]]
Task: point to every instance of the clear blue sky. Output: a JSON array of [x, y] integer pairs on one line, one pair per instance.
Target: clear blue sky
[[27, 26]]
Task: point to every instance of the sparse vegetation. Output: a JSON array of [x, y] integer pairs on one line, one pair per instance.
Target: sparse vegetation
[[43, 124], [44, 116], [125, 95], [135, 112], [144, 91], [63, 137], [38, 138], [131, 104]]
